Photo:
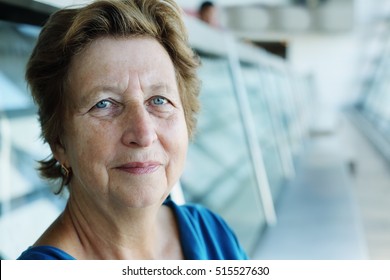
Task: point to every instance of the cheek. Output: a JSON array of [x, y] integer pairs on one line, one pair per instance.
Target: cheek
[[176, 143], [88, 146]]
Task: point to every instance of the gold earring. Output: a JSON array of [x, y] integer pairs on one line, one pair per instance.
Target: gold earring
[[64, 171]]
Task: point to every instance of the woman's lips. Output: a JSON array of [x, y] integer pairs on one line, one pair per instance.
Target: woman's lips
[[140, 168]]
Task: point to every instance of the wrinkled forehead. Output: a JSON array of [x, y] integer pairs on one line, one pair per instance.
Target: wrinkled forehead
[[112, 63]]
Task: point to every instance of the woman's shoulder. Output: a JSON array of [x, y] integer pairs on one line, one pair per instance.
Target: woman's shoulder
[[44, 253], [207, 233], [196, 214]]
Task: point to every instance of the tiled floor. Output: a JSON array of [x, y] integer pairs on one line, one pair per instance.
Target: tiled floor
[[337, 207]]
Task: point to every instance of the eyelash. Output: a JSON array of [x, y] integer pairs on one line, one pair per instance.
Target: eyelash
[[107, 103], [165, 100], [101, 101]]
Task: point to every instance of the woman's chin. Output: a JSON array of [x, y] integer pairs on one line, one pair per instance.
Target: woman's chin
[[144, 197]]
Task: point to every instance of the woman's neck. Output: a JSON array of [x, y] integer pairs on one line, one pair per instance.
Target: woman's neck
[[143, 233], [128, 233]]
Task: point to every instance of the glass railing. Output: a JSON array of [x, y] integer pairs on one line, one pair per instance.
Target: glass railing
[[28, 205], [373, 109], [219, 172], [252, 126], [267, 132]]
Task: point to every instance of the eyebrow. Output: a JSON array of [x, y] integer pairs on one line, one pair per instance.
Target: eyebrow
[[163, 88], [159, 87], [86, 98], [90, 95]]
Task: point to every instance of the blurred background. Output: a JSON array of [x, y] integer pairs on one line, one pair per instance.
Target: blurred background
[[293, 142]]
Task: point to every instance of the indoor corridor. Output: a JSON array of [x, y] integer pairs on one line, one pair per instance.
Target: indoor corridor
[[338, 206]]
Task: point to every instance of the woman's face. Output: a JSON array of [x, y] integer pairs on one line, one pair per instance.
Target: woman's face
[[125, 133]]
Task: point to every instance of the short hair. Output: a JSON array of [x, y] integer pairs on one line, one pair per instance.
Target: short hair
[[69, 31], [205, 5]]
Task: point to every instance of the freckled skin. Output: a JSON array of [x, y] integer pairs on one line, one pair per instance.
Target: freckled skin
[[131, 125]]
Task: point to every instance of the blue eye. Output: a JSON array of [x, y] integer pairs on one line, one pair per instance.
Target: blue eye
[[106, 108], [103, 104], [159, 100]]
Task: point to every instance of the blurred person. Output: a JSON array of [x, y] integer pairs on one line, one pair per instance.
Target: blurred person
[[208, 13], [116, 87]]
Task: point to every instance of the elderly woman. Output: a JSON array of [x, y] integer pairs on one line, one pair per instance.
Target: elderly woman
[[117, 91]]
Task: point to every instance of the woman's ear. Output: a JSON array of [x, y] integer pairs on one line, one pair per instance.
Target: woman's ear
[[59, 153]]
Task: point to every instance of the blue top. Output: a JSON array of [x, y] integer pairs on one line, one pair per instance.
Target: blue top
[[203, 236]]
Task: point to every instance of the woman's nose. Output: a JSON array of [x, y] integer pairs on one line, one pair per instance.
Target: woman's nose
[[139, 128]]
